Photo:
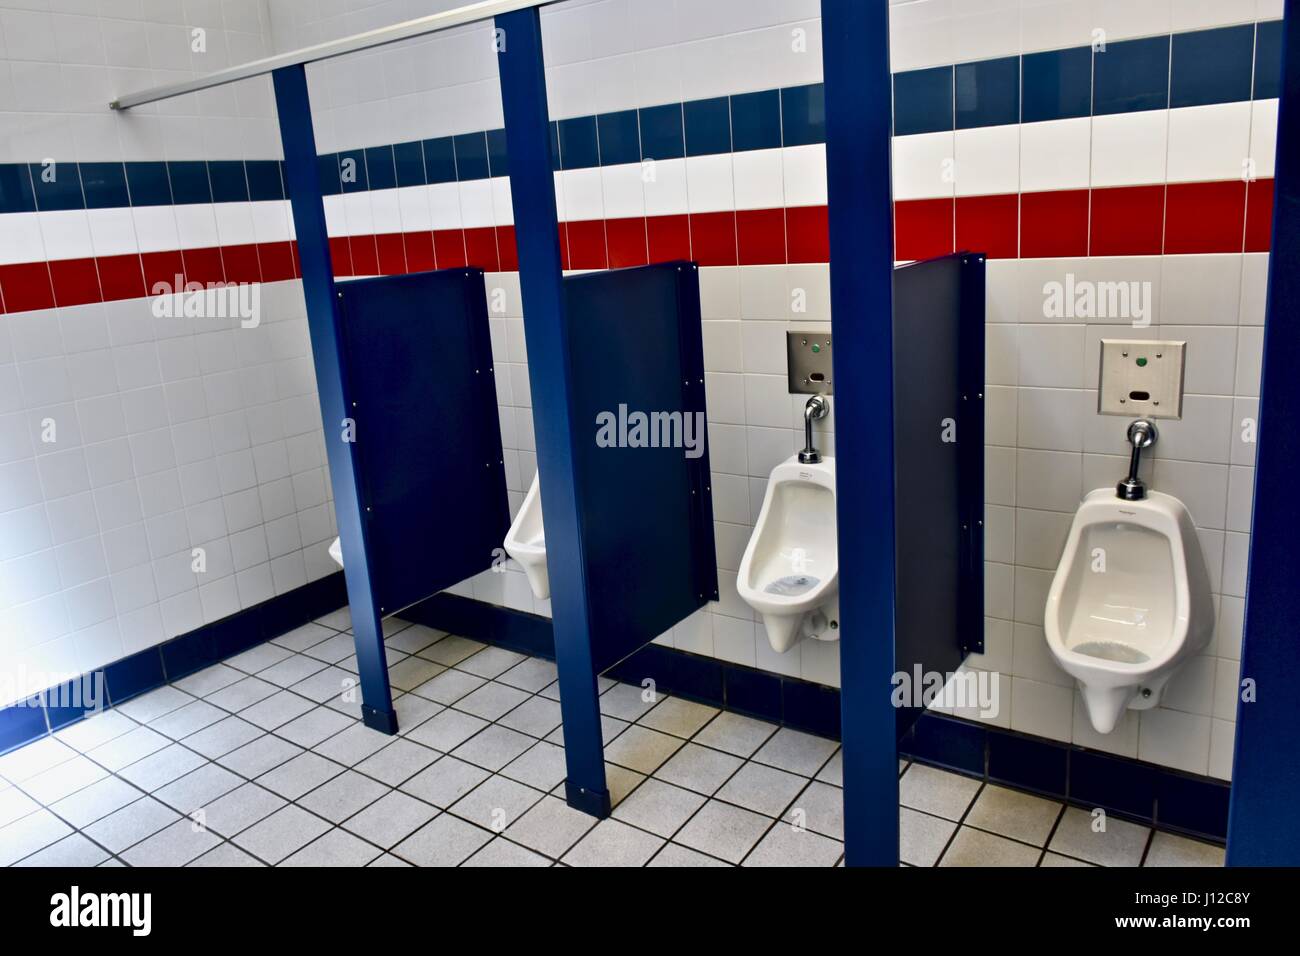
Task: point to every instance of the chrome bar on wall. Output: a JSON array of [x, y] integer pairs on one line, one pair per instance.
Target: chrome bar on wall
[[406, 30]]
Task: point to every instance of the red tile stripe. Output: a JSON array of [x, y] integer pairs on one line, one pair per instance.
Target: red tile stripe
[[1129, 220]]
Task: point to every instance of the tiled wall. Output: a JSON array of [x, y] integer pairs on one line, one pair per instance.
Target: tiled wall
[[169, 434], [1150, 162], [1012, 136]]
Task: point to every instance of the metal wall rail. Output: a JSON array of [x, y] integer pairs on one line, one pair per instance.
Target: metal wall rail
[[406, 30]]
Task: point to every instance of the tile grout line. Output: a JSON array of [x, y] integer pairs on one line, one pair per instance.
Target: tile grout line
[[485, 681]]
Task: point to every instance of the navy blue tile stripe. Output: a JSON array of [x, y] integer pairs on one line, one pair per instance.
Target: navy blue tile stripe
[[1056, 84], [1221, 65], [55, 708]]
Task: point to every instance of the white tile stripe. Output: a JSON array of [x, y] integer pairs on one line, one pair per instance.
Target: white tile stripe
[[1193, 144]]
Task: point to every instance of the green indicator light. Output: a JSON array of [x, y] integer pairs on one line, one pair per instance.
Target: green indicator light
[[818, 348], [1142, 363]]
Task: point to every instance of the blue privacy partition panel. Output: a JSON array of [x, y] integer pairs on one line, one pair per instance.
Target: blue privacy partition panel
[[430, 474], [647, 512], [938, 466]]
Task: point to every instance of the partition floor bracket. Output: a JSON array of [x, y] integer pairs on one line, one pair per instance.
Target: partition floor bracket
[[594, 802]]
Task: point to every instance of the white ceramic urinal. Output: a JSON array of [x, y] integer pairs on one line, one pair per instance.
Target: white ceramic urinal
[[790, 571], [1129, 603], [526, 543]]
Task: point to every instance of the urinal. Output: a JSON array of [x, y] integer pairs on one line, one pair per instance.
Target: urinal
[[526, 543], [1130, 601], [790, 570]]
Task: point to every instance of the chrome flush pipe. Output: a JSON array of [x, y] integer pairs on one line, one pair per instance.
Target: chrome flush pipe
[[1141, 434], [816, 408]]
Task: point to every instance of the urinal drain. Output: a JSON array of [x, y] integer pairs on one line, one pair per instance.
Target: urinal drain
[[792, 585]]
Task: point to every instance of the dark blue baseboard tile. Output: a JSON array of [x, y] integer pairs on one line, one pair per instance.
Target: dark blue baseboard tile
[[795, 703], [1130, 789], [71, 701], [134, 675], [499, 626], [955, 745], [1029, 763], [21, 723], [58, 707]]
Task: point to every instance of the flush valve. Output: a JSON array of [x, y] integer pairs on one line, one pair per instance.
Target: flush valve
[[815, 408], [1141, 434]]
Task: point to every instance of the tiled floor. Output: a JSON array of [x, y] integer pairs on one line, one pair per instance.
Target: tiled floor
[[262, 760]]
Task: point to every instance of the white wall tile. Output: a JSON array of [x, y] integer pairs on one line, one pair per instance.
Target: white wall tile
[[987, 160], [1209, 142], [758, 179], [1175, 739], [1200, 290], [924, 166], [1055, 154], [1129, 149], [1045, 710], [805, 175], [1056, 24], [709, 183], [1263, 137]]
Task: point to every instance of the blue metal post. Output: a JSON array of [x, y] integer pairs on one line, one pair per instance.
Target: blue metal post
[[855, 54], [303, 183], [532, 190], [1262, 828]]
